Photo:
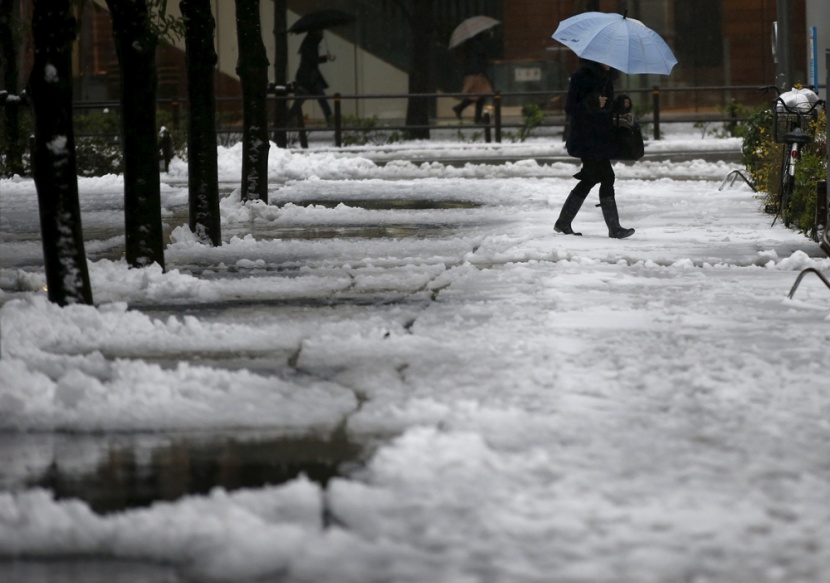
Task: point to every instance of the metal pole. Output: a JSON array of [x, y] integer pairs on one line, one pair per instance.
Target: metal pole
[[338, 121], [655, 100], [356, 43], [497, 115], [784, 67]]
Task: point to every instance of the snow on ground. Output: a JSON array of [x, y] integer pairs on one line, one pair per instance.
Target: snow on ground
[[576, 409]]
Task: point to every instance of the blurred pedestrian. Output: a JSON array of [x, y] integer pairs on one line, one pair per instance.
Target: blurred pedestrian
[[475, 66], [591, 107], [309, 80]]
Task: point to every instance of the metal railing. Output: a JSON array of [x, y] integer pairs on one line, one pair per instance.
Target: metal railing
[[493, 128], [497, 123]]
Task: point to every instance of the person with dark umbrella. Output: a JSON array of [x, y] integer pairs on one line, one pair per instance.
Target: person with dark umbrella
[[475, 65], [590, 107], [309, 80]]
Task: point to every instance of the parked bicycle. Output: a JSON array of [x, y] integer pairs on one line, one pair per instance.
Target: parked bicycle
[[795, 116]]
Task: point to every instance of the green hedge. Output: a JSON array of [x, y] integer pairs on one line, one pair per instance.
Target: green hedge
[[97, 141], [763, 158]]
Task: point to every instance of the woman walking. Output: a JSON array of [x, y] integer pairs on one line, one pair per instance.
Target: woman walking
[[475, 63], [591, 107], [308, 79]]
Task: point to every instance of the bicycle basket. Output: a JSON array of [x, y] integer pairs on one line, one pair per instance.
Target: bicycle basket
[[799, 102]]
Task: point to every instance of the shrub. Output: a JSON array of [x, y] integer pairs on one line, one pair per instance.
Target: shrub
[[760, 155], [365, 131], [532, 116], [763, 159], [812, 168], [25, 130], [97, 141], [732, 127]]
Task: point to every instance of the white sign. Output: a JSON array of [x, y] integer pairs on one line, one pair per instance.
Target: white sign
[[522, 74]]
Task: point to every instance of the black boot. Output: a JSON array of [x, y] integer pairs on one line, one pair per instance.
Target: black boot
[[461, 107], [572, 205], [612, 219]]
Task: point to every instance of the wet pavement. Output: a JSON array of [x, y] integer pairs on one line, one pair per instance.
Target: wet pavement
[[114, 472], [137, 470], [85, 571]]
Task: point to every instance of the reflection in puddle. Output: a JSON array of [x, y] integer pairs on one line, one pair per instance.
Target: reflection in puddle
[[368, 231], [386, 204], [266, 229], [125, 477], [85, 571], [271, 231], [206, 309]]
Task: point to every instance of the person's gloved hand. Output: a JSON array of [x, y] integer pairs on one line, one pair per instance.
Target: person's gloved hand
[[622, 104]]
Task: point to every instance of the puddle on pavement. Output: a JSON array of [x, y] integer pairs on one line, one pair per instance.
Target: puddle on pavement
[[266, 362], [385, 204], [269, 230], [127, 475], [206, 309], [275, 364], [113, 235], [266, 229], [85, 571], [114, 472]]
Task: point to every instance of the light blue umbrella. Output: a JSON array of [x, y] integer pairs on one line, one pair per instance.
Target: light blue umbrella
[[615, 40]]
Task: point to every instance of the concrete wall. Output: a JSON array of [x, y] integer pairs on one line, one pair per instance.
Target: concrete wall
[[353, 72]]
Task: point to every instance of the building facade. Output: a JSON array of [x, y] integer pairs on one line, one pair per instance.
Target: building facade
[[717, 43]]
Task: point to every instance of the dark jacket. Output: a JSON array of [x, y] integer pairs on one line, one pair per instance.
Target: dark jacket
[[591, 128], [475, 57], [308, 73]]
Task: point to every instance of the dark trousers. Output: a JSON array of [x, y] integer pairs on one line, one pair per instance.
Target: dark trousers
[[596, 172], [458, 109], [296, 111]]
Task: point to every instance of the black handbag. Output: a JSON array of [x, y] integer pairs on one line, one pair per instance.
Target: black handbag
[[629, 140]]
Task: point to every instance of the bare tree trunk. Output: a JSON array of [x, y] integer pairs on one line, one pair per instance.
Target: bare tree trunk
[[421, 26], [252, 68], [9, 25], [135, 43], [54, 164], [202, 176]]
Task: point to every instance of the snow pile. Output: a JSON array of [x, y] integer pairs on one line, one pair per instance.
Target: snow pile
[[548, 407]]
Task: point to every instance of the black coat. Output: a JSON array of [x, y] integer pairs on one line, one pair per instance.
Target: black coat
[[308, 73], [475, 57], [591, 127]]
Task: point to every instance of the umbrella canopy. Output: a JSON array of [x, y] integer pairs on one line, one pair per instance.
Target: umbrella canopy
[[623, 43], [471, 27], [319, 20]]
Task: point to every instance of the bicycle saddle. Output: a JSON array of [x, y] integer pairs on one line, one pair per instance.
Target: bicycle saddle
[[797, 136]]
